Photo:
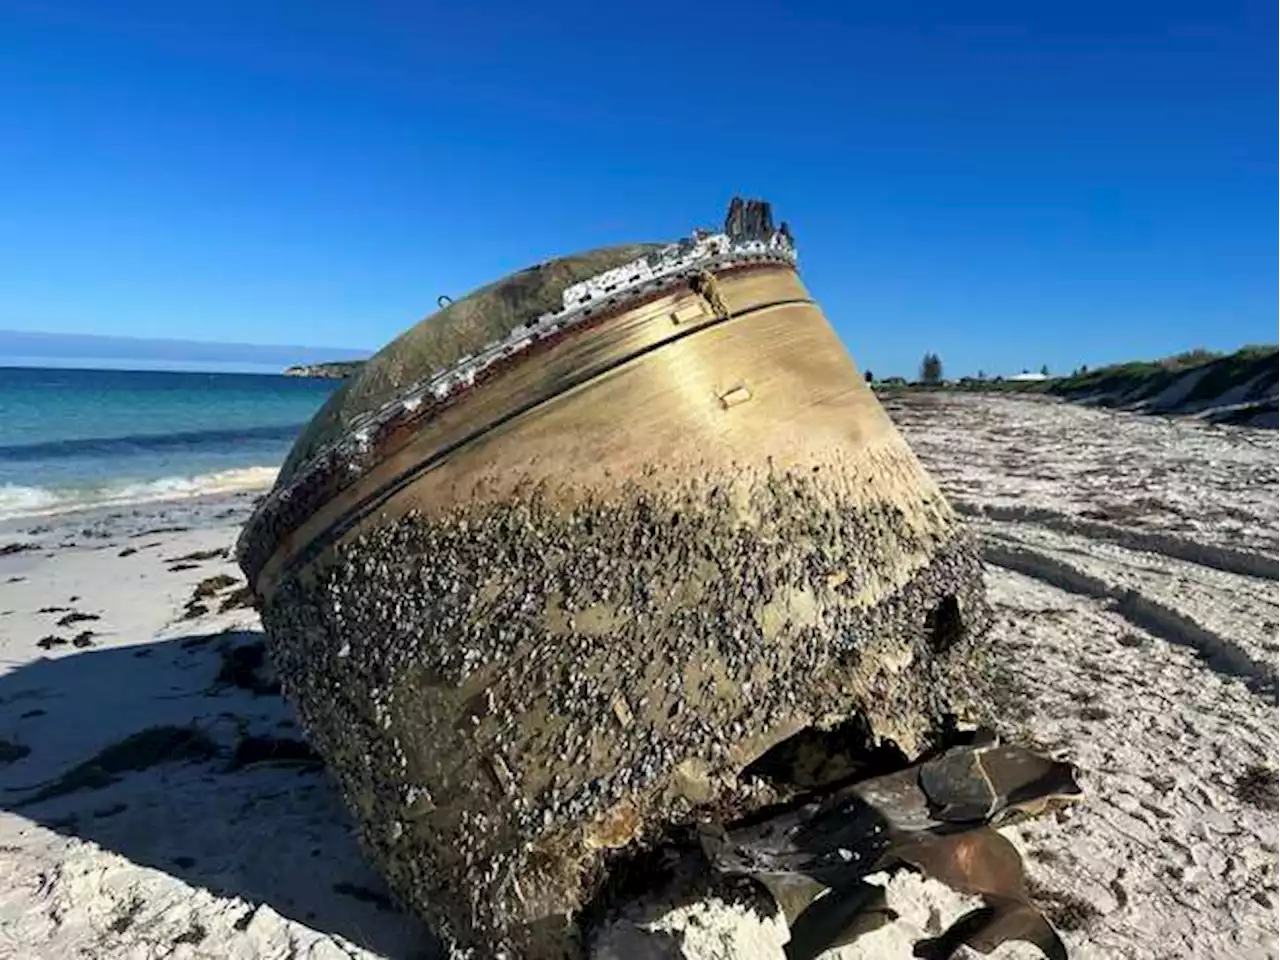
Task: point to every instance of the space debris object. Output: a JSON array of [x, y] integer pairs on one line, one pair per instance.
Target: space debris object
[[556, 565]]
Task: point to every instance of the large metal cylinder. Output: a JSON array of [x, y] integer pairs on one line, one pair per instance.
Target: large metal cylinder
[[559, 562]]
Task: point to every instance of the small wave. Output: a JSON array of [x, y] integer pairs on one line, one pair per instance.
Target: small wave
[[20, 501]]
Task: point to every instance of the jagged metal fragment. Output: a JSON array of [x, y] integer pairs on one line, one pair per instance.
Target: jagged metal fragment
[[935, 817]]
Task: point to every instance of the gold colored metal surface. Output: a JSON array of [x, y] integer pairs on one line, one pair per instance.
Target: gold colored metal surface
[[638, 391]]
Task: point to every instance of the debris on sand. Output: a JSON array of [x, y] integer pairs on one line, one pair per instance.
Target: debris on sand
[[156, 530], [193, 609], [240, 598], [76, 617], [139, 751], [246, 667], [1066, 910], [199, 556], [208, 589], [127, 917], [259, 749], [211, 585], [12, 752], [192, 935]]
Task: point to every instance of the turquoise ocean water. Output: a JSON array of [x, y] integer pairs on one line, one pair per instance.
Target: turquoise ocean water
[[80, 437]]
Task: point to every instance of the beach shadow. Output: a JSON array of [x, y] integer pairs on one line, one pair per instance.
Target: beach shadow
[[181, 756]]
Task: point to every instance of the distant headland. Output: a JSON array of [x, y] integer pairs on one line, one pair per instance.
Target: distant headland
[[337, 370]]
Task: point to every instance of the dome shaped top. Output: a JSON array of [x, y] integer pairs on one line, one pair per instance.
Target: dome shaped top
[[458, 330]]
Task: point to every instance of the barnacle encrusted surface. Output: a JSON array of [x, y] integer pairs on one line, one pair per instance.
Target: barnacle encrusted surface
[[509, 689]]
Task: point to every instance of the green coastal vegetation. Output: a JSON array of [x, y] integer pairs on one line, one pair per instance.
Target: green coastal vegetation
[[1238, 387]]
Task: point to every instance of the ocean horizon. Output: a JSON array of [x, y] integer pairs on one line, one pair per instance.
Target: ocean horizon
[[27, 348], [74, 437], [140, 365]]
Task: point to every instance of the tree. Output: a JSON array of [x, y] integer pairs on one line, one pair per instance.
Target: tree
[[982, 374], [1044, 370], [931, 369], [869, 377]]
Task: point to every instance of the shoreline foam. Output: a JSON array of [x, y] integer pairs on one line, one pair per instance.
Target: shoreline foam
[[18, 501]]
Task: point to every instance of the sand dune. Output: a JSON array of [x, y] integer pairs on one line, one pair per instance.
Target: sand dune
[[155, 800]]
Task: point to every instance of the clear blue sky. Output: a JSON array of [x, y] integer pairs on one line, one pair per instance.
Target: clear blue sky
[[1008, 184]]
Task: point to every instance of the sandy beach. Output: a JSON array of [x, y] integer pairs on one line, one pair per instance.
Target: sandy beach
[[156, 800]]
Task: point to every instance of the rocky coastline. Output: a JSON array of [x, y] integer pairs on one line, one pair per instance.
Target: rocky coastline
[[338, 370]]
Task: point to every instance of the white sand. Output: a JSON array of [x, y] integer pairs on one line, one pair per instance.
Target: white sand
[[1133, 571], [182, 860]]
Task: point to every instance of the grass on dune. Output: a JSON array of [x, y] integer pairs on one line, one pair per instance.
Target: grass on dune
[[1142, 379]]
